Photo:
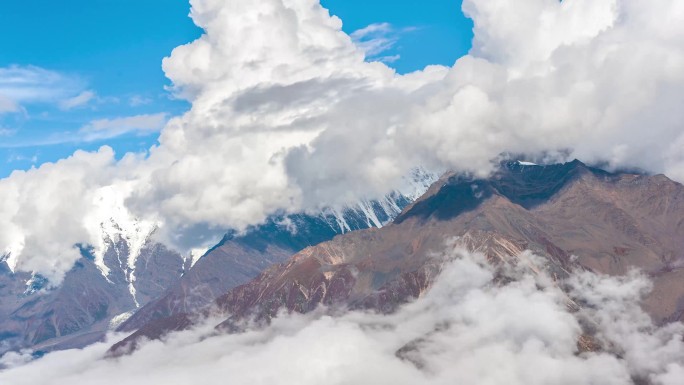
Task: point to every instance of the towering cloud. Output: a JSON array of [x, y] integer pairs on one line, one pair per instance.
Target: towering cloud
[[45, 212], [287, 115]]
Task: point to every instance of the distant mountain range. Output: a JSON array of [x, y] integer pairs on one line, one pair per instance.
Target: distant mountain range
[[371, 255], [573, 215]]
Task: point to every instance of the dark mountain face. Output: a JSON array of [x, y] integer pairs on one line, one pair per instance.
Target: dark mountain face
[[86, 304], [572, 215], [524, 185]]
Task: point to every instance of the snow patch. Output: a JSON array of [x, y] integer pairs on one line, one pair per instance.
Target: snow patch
[[131, 289], [339, 218], [196, 254], [369, 214], [389, 204], [116, 321]]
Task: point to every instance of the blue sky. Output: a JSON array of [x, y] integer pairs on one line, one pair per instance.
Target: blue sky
[[77, 74]]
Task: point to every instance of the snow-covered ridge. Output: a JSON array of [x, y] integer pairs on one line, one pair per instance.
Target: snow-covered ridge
[[417, 183], [377, 213], [134, 234]]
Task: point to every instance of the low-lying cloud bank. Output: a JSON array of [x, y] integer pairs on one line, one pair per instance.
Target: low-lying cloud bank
[[287, 115], [470, 328]]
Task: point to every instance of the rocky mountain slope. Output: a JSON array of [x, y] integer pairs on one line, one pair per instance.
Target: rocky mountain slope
[[573, 215], [94, 296], [238, 258]]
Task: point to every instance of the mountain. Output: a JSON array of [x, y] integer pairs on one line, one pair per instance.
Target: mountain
[[240, 257], [96, 294], [573, 215], [135, 280]]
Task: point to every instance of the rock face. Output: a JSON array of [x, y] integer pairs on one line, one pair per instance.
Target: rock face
[[87, 303], [571, 214]]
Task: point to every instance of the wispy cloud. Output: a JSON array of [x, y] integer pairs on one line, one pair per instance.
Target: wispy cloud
[[139, 100], [33, 159], [26, 85], [8, 105], [110, 128], [48, 140], [79, 100], [30, 84], [4, 132], [99, 129], [377, 39]]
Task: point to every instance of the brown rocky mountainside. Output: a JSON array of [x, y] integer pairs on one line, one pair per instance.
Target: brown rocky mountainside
[[571, 214]]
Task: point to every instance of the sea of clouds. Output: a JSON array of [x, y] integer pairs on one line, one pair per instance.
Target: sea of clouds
[[471, 327]]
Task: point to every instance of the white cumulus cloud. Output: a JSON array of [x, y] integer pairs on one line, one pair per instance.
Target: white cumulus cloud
[[287, 113], [109, 128], [37, 221]]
